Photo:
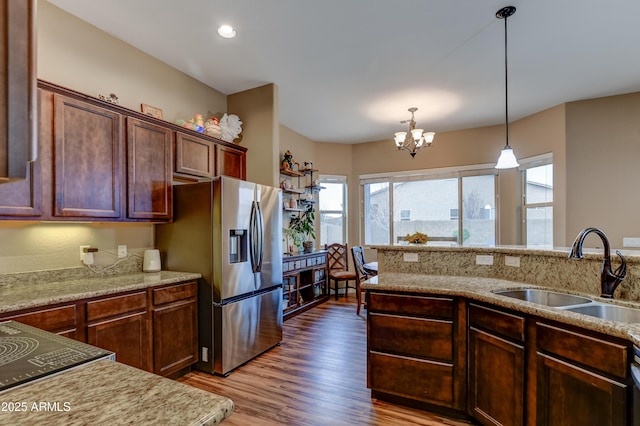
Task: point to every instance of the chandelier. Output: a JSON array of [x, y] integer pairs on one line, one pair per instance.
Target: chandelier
[[415, 139]]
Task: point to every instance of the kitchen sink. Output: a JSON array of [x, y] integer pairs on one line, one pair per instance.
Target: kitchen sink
[[608, 312], [544, 297]]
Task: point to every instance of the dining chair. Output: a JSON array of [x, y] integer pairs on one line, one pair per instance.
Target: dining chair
[[338, 267], [362, 274]]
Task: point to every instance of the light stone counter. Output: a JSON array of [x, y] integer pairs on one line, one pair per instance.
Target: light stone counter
[[480, 289], [33, 291], [111, 393]]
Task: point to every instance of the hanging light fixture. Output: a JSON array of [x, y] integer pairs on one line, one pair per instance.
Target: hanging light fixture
[[507, 159], [415, 139]]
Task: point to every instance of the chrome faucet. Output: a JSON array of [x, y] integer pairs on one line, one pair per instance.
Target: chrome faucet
[[609, 280]]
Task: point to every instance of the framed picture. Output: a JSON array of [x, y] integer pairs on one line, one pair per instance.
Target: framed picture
[[152, 111]]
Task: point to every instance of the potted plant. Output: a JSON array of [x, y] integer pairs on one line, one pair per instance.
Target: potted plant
[[301, 229]]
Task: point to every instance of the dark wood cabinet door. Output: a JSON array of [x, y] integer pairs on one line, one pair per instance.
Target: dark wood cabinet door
[[127, 336], [17, 87], [175, 336], [231, 162], [149, 171], [62, 320], [496, 379], [195, 156], [87, 160], [23, 198], [569, 395]]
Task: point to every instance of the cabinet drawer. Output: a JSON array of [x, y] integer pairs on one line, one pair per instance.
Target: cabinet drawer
[[53, 319], [602, 355], [411, 305], [173, 293], [411, 378], [501, 323], [104, 308], [419, 337]]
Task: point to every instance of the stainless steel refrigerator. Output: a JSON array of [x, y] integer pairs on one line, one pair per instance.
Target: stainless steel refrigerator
[[229, 230]]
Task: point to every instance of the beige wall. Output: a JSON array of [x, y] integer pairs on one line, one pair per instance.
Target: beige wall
[[603, 177], [481, 146], [35, 246], [258, 109], [79, 56]]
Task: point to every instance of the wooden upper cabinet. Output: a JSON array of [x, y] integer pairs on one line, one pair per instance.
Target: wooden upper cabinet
[[87, 156], [195, 156], [149, 171], [22, 199], [18, 93], [231, 162]]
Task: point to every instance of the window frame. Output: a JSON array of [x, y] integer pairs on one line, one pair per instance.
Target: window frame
[[342, 180], [525, 164], [426, 174]]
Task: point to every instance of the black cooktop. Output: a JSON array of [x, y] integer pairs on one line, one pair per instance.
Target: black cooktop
[[28, 353]]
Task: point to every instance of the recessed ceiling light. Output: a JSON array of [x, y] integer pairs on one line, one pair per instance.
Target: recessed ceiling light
[[227, 31]]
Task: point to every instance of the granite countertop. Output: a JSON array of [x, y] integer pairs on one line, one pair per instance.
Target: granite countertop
[[480, 289], [34, 293], [108, 392]]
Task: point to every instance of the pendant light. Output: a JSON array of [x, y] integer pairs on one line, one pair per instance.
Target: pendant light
[[507, 158]]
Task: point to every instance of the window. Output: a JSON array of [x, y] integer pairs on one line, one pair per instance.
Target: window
[[333, 212], [537, 200], [376, 213], [441, 204]]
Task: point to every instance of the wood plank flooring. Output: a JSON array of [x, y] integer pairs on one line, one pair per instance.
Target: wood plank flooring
[[317, 376]]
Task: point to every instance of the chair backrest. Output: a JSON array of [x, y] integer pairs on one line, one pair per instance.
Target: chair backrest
[[358, 261], [337, 257]]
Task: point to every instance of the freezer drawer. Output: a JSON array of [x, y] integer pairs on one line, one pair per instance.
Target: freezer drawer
[[246, 329]]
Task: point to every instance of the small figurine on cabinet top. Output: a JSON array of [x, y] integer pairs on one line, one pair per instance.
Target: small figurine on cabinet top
[[287, 161]]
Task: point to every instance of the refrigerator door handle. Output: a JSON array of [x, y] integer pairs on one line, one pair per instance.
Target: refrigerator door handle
[[256, 237], [261, 238]]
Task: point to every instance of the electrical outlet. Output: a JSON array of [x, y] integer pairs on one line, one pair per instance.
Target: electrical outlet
[[631, 242], [82, 253], [512, 261], [410, 257], [484, 259], [122, 251]]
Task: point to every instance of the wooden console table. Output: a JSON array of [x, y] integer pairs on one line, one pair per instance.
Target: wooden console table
[[304, 277]]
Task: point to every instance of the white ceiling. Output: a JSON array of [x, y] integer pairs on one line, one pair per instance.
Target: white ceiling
[[348, 70]]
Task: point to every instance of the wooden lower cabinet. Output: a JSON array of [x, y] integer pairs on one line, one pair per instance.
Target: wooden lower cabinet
[[154, 329], [121, 324], [414, 343], [62, 320], [496, 364], [127, 336], [175, 328], [581, 379]]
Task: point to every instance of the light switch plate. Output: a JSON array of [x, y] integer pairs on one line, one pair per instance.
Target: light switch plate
[[410, 257], [484, 259]]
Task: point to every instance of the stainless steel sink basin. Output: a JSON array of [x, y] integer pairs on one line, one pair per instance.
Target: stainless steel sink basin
[[544, 297], [608, 312]]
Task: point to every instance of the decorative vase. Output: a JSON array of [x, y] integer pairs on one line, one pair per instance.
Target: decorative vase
[[307, 246]]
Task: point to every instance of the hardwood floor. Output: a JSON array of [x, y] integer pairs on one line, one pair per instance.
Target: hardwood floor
[[317, 376]]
